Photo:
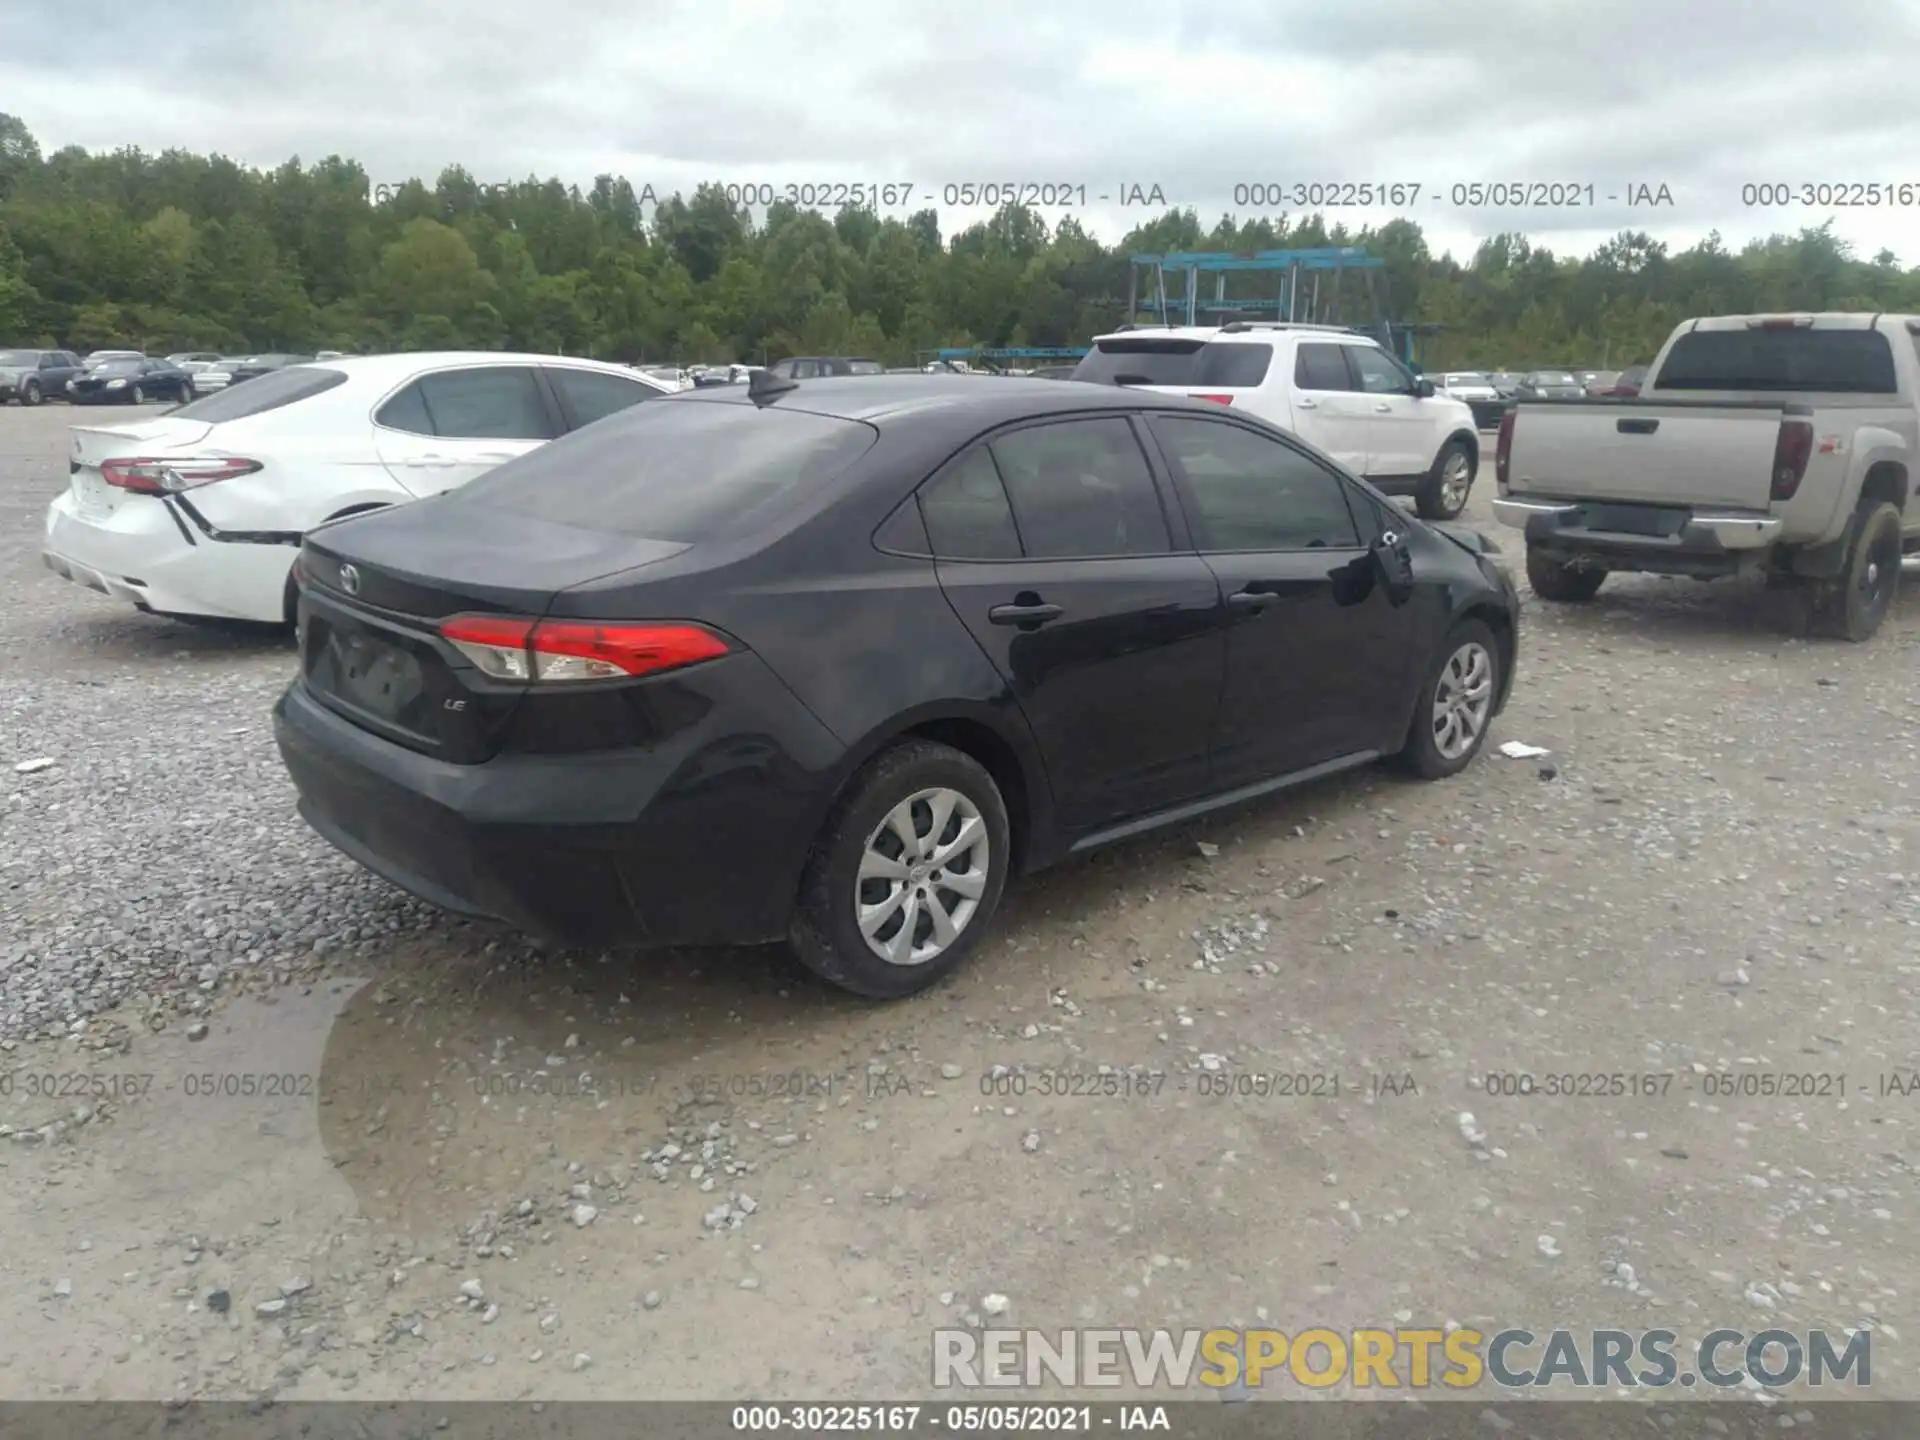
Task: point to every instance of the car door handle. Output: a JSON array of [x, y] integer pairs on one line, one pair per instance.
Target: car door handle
[[1307, 404], [1251, 599], [1636, 427], [1036, 614], [1384, 408]]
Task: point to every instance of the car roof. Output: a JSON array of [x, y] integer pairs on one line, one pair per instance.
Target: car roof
[[392, 368], [1259, 333], [989, 399]]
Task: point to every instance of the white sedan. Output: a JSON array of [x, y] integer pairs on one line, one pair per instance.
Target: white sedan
[[199, 511]]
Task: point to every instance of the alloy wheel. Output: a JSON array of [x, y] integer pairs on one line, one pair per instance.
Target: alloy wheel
[[1455, 481], [922, 873], [1462, 700]]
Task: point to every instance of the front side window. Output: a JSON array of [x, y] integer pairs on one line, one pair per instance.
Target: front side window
[[1378, 373], [1255, 493], [1082, 488]]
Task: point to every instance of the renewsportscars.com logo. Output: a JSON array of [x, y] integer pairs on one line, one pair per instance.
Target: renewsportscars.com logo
[[1400, 1358]]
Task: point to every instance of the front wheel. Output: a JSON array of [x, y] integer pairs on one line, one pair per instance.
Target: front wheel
[[1443, 494], [905, 877], [30, 393], [1852, 607], [1455, 709], [137, 395], [1560, 582]]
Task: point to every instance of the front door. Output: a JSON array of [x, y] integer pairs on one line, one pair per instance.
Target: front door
[[1400, 439], [452, 426], [1315, 651], [1054, 548]]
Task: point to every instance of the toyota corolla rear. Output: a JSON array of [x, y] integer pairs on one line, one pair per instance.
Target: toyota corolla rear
[[523, 700]]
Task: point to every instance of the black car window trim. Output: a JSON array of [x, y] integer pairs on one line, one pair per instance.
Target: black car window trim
[[556, 421], [1364, 533], [940, 472], [572, 421]]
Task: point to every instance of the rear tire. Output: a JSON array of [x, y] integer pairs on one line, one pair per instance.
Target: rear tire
[[30, 393], [1556, 581], [1455, 709], [137, 395], [1443, 494], [1853, 607], [861, 860]]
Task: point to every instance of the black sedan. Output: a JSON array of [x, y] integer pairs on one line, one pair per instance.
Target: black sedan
[[902, 640], [131, 382], [255, 366], [1551, 385]]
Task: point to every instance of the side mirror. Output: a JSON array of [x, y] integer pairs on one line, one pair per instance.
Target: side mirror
[[1394, 563], [1423, 388]]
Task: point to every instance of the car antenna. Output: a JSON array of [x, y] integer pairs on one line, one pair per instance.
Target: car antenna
[[764, 387]]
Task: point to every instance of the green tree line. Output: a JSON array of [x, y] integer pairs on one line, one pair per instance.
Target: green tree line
[[180, 251]]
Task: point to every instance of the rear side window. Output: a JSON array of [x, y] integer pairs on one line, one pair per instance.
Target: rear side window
[[488, 402], [271, 391], [591, 395], [1848, 362], [1146, 360], [1321, 367], [966, 510], [1081, 489], [681, 470]]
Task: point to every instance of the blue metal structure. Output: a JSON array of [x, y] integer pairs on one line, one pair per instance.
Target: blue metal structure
[[1299, 296]]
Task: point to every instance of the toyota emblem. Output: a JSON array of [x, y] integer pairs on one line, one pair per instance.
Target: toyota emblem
[[349, 579]]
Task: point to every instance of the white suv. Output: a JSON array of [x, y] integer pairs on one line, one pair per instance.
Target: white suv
[[1335, 389]]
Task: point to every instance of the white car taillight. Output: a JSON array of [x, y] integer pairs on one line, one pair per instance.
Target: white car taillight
[[558, 651], [169, 476]]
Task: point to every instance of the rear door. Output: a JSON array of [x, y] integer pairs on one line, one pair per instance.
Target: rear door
[[447, 427], [1315, 654], [1329, 412], [1055, 549]]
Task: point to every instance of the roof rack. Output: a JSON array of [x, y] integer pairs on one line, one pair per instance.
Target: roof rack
[[1235, 327]]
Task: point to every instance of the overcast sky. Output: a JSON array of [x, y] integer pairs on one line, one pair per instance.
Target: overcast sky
[[1700, 96]]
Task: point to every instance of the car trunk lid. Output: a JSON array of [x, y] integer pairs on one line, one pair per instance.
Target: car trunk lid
[[375, 589], [90, 446]]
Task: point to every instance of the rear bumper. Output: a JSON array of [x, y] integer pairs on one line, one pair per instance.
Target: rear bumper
[[698, 842], [148, 555], [1661, 540]]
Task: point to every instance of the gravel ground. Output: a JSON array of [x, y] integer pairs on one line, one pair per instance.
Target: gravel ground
[[324, 1141]]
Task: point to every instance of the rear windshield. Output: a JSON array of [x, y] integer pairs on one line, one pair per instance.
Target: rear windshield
[[1849, 362], [1160, 361], [681, 469], [865, 367], [271, 391]]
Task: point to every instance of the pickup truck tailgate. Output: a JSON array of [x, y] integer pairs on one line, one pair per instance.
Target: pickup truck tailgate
[[1676, 453]]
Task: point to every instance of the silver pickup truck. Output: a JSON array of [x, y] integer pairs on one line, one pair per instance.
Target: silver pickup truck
[[1783, 445]]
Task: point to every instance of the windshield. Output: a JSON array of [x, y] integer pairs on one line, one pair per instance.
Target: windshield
[[1552, 377], [19, 357], [116, 367], [1849, 362], [865, 367]]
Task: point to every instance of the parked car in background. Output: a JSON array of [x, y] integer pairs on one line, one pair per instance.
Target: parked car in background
[[1474, 389], [1772, 445], [195, 357], [218, 375], [1626, 384], [35, 376], [1551, 385], [1600, 382], [1336, 389], [254, 366], [130, 382], [329, 354], [671, 375], [908, 639], [198, 512], [819, 367], [94, 357], [1506, 383]]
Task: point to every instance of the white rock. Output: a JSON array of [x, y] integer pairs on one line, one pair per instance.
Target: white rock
[[473, 1290], [582, 1361], [994, 1304], [584, 1215], [34, 767], [1549, 1247]]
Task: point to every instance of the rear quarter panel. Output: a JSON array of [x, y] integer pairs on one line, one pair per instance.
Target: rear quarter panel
[[319, 459]]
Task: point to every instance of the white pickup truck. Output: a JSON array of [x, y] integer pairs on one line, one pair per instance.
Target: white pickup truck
[[1783, 445]]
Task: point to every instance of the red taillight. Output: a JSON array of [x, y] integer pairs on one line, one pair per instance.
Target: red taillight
[[1790, 455], [1503, 448], [1215, 399], [554, 651], [171, 474]]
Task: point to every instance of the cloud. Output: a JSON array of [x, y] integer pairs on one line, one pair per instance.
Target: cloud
[[1198, 98]]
